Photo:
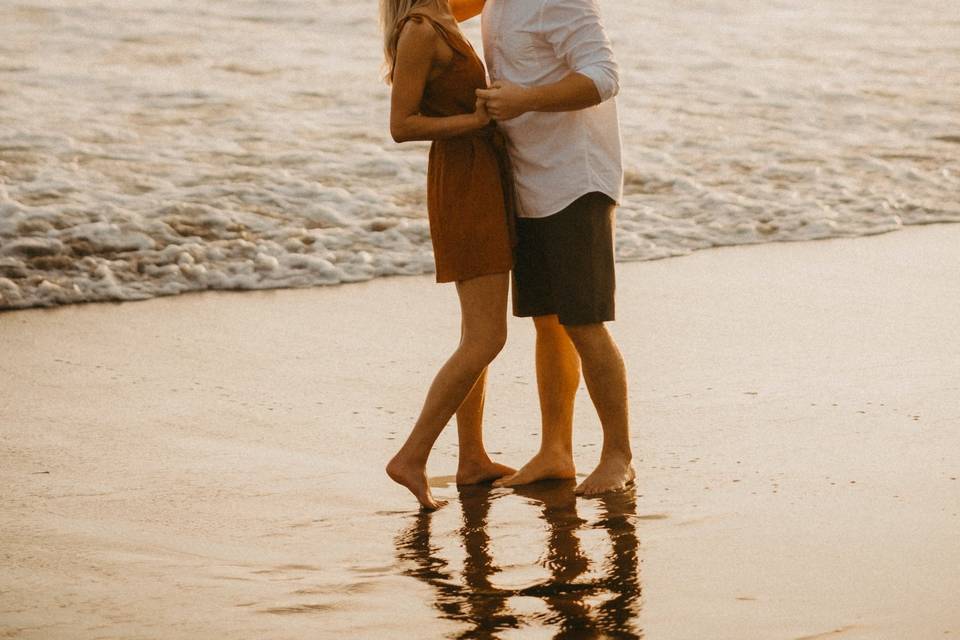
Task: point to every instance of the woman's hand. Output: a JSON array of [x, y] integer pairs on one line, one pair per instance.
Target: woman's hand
[[481, 114], [506, 100]]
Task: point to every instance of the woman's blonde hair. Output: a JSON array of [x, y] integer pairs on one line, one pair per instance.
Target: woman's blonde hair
[[391, 12]]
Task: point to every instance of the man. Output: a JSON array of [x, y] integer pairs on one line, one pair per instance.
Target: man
[[553, 82]]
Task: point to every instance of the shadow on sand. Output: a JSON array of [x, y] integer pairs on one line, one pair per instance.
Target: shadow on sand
[[582, 598]]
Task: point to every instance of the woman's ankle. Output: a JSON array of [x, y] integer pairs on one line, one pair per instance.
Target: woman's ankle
[[473, 459], [408, 459]]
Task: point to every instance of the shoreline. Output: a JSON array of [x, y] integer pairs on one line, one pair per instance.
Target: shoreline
[[342, 283]]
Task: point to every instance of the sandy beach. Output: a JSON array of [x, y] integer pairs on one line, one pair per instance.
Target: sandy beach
[[210, 465]]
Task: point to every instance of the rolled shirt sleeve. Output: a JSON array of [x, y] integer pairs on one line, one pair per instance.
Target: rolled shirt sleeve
[[574, 30]]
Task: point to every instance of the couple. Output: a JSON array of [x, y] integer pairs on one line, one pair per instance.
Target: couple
[[540, 203]]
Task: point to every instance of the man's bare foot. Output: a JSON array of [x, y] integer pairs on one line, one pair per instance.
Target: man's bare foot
[[413, 478], [543, 466], [479, 472], [612, 474]]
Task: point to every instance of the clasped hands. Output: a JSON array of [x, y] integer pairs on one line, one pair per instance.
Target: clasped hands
[[502, 101]]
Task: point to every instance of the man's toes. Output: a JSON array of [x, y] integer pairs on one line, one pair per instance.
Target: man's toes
[[503, 470], [591, 487], [596, 491], [508, 481]]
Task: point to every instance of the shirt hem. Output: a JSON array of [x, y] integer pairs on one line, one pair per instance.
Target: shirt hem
[[615, 194]]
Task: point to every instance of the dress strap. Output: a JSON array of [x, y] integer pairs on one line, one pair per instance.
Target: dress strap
[[456, 43]]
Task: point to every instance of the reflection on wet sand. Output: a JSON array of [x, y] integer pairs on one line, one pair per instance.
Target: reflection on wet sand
[[575, 606]]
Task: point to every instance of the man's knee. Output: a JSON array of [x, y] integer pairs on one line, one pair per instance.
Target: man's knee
[[587, 335]]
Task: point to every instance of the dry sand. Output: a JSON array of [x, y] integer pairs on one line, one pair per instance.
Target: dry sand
[[209, 465]]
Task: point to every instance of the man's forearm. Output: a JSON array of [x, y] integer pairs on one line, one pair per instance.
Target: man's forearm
[[574, 92], [506, 100]]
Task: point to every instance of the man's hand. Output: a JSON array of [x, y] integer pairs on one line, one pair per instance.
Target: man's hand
[[481, 113], [506, 100]]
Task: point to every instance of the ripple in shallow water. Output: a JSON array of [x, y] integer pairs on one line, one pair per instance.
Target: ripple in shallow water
[[569, 591]]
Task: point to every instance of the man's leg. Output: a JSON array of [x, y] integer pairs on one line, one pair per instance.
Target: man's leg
[[606, 379], [558, 376]]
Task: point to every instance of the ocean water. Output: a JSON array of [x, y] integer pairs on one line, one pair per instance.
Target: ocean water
[[152, 148]]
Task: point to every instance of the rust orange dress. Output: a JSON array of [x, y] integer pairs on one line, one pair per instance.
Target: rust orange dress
[[470, 198]]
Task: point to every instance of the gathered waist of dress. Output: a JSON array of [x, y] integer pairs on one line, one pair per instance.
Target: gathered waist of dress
[[491, 132]]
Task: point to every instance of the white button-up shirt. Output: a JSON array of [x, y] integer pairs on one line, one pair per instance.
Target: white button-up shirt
[[557, 156]]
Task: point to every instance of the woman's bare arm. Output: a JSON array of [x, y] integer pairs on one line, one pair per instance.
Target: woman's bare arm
[[415, 53], [466, 9]]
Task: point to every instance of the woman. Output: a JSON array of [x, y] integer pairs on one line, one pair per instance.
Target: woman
[[434, 74]]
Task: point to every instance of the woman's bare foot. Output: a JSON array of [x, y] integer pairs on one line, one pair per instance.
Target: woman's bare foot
[[546, 465], [478, 472], [612, 474], [414, 478]]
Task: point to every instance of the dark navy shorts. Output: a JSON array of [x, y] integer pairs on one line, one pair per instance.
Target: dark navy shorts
[[564, 263]]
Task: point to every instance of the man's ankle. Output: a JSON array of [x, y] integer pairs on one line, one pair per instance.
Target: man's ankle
[[617, 454], [556, 450]]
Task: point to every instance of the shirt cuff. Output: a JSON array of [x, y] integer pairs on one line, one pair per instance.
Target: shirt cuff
[[606, 81]]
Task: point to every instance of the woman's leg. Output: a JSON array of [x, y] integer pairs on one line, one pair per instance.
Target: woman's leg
[[483, 305], [474, 465]]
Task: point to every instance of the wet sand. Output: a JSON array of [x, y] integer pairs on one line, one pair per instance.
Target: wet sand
[[209, 465]]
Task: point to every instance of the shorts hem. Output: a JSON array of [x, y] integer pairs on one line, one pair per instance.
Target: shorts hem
[[567, 319]]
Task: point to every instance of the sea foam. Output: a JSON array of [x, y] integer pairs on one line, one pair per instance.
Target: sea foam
[[153, 148]]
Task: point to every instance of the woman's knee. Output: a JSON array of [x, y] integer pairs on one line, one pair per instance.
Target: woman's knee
[[496, 340], [487, 345]]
